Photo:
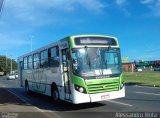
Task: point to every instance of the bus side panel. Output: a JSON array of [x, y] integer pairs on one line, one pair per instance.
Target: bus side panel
[[40, 80], [53, 75]]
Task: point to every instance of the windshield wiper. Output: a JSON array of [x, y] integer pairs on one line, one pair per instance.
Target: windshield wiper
[[105, 62]]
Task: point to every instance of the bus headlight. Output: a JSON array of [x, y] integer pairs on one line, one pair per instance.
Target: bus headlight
[[121, 85], [80, 89]]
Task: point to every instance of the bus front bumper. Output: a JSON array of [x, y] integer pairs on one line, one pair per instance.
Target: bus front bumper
[[87, 98], [107, 95]]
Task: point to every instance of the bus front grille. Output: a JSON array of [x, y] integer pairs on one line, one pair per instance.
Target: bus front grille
[[103, 87]]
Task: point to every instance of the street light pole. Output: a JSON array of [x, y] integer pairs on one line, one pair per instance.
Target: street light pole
[[11, 63], [6, 60]]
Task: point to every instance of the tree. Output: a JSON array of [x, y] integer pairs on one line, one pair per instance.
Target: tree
[[5, 64]]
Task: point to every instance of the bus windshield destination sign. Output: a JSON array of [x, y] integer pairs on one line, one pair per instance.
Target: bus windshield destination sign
[[95, 41]]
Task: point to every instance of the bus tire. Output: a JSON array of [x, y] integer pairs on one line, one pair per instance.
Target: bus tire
[[55, 94]]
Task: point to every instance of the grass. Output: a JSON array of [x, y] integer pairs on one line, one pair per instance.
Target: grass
[[145, 78]]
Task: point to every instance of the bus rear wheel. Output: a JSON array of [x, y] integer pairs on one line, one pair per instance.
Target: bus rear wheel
[[55, 95]]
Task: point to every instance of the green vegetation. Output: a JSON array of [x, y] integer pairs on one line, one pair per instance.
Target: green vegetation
[[146, 78], [5, 64]]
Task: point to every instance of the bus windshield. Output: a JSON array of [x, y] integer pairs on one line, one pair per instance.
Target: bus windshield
[[96, 61]]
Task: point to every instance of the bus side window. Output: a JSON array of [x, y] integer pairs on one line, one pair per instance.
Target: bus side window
[[25, 63], [36, 61], [29, 62], [54, 57], [44, 59]]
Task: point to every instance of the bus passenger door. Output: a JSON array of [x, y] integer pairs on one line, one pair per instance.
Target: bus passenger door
[[66, 79]]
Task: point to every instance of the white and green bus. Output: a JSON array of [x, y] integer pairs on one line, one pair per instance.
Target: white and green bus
[[77, 69]]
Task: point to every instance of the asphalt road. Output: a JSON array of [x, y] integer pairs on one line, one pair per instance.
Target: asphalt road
[[15, 102]]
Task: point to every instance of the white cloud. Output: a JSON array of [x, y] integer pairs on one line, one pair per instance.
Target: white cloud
[[122, 6], [153, 5], [156, 8], [41, 12], [120, 2], [91, 5], [126, 12], [147, 1]]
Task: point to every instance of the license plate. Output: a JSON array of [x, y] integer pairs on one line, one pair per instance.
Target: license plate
[[103, 97]]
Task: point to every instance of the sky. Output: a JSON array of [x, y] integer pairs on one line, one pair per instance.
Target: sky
[[136, 24]]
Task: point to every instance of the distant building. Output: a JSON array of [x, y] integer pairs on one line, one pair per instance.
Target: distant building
[[128, 67]]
